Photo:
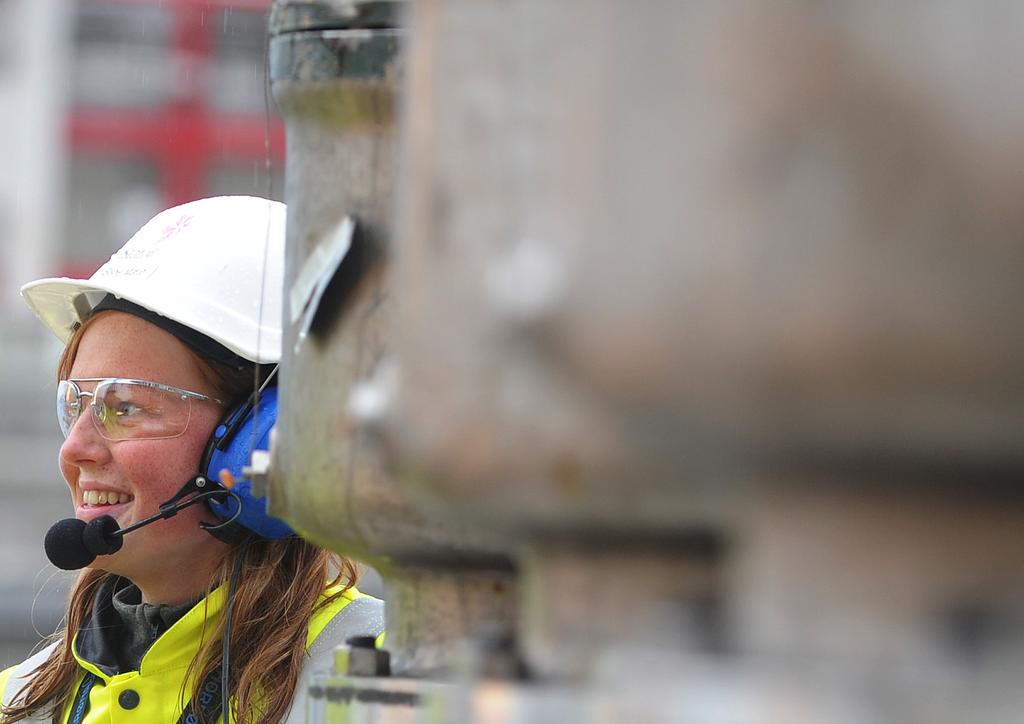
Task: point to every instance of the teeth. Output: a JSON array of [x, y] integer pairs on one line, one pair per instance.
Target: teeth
[[104, 497]]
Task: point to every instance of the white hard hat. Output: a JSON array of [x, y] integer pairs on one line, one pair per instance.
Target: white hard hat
[[215, 266]]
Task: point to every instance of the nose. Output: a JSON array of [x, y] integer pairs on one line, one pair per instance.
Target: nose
[[84, 444]]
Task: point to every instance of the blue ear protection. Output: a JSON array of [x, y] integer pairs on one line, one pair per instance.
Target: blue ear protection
[[239, 433]]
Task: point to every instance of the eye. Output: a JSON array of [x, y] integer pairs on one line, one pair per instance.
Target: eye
[[127, 409], [123, 402]]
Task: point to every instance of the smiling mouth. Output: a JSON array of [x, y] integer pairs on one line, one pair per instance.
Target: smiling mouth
[[96, 498]]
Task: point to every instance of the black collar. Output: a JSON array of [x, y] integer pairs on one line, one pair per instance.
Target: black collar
[[120, 629]]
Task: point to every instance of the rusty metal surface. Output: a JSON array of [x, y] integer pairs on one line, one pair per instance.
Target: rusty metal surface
[[665, 268], [581, 602], [887, 576], [693, 244], [336, 90], [438, 614]]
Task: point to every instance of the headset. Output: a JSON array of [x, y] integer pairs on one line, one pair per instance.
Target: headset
[[244, 428]]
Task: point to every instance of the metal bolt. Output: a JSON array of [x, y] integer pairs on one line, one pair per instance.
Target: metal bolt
[[361, 657], [258, 469]]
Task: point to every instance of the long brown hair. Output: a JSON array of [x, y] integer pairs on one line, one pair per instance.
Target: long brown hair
[[280, 585]]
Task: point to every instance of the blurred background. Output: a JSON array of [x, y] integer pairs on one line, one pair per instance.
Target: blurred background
[[110, 110], [719, 304]]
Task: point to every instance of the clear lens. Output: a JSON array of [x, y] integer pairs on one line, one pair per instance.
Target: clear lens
[[68, 405], [123, 410]]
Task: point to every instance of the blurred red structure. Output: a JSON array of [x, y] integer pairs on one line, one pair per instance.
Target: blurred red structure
[[183, 136]]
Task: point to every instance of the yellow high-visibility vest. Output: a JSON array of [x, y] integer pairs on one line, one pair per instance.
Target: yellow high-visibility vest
[[153, 693]]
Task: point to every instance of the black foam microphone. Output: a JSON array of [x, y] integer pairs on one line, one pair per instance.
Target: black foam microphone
[[71, 543], [103, 536], [65, 547]]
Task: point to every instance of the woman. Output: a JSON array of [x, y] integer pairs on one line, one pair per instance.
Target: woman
[[164, 343]]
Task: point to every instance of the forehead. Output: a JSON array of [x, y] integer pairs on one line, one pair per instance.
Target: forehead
[[117, 344]]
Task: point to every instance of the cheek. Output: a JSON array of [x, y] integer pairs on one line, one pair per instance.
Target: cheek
[[158, 468]]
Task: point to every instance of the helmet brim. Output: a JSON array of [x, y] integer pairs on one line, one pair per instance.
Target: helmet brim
[[61, 304]]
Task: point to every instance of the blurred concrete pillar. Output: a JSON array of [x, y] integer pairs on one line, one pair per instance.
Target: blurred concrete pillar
[[709, 312], [336, 69], [661, 259]]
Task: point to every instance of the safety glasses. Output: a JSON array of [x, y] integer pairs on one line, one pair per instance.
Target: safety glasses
[[124, 409]]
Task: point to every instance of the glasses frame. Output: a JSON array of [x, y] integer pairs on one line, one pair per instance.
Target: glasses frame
[[80, 393]]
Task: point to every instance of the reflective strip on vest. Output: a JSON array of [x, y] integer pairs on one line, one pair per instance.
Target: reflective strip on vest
[[362, 617]]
